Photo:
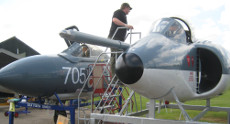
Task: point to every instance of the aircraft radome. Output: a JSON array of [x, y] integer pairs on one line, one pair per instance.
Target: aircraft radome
[[167, 59]]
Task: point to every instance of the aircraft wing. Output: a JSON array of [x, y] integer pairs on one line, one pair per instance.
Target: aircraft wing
[[5, 90], [80, 37]]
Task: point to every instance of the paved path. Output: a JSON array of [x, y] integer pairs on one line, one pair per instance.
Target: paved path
[[35, 117]]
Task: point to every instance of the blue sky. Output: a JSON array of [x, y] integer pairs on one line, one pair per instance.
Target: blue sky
[[38, 22]]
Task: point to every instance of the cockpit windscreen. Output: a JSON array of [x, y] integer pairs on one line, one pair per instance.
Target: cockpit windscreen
[[171, 29]]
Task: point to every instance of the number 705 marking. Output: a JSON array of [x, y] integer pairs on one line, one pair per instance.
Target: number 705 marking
[[76, 75]]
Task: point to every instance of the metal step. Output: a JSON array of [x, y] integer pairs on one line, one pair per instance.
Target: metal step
[[108, 96], [105, 107]]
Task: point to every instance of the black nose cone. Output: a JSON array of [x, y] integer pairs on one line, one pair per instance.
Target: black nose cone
[[129, 68]]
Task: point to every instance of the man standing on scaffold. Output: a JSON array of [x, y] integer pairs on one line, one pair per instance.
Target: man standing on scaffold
[[119, 20]]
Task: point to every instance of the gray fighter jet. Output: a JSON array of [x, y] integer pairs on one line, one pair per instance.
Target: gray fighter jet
[[168, 60], [45, 75]]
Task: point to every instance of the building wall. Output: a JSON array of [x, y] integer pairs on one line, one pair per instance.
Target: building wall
[[16, 46]]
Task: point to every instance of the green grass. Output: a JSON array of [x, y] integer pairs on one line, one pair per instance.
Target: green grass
[[174, 114], [214, 117], [219, 101]]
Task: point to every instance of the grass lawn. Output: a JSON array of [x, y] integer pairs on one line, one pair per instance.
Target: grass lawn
[[174, 114]]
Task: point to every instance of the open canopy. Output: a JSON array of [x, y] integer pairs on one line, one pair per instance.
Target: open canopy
[[172, 29]]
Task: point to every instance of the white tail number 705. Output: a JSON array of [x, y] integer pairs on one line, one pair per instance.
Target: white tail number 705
[[76, 75]]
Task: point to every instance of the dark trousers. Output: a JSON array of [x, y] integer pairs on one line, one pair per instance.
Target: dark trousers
[[114, 56], [113, 59]]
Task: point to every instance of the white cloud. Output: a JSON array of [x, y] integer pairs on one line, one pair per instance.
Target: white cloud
[[209, 30], [225, 16], [38, 22]]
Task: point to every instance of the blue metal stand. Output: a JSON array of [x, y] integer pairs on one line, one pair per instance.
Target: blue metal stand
[[72, 116], [12, 110], [120, 101], [16, 113], [11, 117], [39, 104]]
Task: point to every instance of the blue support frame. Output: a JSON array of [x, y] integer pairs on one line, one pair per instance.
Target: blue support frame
[[40, 105], [120, 101], [11, 117], [7, 113]]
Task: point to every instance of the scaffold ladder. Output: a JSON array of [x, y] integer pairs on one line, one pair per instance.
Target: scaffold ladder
[[109, 98]]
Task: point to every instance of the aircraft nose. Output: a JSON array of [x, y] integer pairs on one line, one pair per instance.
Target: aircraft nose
[[7, 75], [129, 68], [27, 75]]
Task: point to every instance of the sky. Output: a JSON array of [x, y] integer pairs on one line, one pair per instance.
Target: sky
[[38, 22]]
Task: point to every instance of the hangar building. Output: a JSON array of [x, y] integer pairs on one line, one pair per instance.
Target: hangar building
[[13, 49]]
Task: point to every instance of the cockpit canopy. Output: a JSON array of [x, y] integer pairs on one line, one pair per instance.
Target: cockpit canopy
[[172, 29], [76, 51]]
